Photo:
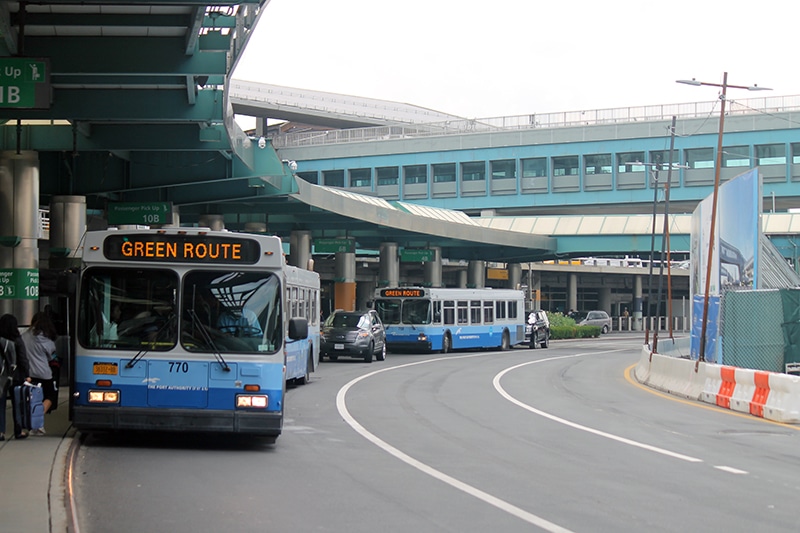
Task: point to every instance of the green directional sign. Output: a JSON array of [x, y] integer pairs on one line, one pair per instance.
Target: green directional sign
[[139, 213], [417, 255], [19, 284], [24, 83], [332, 246]]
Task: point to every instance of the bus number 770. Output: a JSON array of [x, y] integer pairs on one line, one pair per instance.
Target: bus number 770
[[178, 367]]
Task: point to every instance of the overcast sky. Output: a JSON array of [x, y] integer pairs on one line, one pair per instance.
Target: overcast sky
[[492, 58]]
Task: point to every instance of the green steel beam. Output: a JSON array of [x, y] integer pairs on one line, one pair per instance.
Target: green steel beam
[[127, 105], [108, 19], [134, 56]]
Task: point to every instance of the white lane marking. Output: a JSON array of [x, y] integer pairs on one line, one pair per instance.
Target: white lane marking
[[522, 514], [507, 396], [731, 470]]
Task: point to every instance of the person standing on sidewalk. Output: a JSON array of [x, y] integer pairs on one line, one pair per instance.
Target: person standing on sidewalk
[[9, 330], [40, 346], [8, 364]]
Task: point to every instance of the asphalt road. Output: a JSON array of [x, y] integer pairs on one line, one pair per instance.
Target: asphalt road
[[560, 439]]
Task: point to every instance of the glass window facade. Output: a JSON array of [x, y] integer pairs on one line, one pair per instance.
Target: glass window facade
[[444, 173], [770, 154], [565, 165], [311, 177], [796, 153], [473, 171], [415, 174], [534, 168], [597, 164], [735, 156], [504, 169], [700, 158], [333, 178], [361, 177], [662, 159], [387, 175], [625, 162]]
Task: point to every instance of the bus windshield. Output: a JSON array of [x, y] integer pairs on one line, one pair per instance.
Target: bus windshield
[[221, 312], [231, 312], [404, 311], [128, 309]]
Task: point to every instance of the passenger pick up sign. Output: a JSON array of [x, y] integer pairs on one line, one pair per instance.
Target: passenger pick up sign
[[24, 83]]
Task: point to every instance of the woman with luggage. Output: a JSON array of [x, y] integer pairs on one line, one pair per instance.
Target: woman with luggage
[[40, 347], [9, 332]]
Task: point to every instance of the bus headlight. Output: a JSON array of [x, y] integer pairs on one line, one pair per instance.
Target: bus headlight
[[103, 396], [251, 401], [422, 337]]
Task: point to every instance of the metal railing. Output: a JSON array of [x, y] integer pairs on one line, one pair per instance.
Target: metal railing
[[622, 115]]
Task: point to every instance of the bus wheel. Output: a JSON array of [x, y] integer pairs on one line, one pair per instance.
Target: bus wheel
[[447, 343], [370, 351], [505, 344]]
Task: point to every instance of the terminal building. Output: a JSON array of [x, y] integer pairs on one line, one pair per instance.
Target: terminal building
[[569, 206]]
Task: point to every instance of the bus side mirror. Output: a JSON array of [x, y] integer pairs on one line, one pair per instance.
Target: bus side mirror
[[298, 328]]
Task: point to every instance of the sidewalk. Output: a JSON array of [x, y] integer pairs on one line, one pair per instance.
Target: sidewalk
[[35, 496]]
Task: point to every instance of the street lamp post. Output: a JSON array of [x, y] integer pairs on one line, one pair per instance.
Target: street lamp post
[[724, 85]]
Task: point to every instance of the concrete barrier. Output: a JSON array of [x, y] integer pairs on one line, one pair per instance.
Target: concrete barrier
[[767, 395], [669, 374]]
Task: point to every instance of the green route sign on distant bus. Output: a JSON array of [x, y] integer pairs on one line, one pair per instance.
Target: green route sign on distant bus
[[24, 83]]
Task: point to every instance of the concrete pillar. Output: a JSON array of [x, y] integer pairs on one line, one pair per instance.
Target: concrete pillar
[[19, 234], [514, 275], [637, 303], [433, 269], [572, 292], [389, 267], [213, 222], [462, 279], [476, 274], [365, 294], [67, 228], [344, 289], [255, 227], [536, 290], [604, 300], [300, 248]]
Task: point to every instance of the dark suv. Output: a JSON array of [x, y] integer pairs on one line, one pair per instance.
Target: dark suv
[[353, 334], [537, 330]]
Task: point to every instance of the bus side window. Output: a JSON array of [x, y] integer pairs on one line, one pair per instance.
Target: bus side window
[[437, 312]]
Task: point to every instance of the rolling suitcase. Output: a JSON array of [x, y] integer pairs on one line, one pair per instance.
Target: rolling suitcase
[[28, 401]]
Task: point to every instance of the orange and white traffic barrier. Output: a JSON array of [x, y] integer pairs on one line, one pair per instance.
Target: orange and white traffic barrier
[[769, 395]]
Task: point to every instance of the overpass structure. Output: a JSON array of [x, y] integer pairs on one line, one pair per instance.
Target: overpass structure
[[136, 103]]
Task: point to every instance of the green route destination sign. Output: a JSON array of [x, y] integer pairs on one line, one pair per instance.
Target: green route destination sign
[[19, 284], [24, 83]]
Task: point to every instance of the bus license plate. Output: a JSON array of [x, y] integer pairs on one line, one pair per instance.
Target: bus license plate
[[338, 346], [106, 369]]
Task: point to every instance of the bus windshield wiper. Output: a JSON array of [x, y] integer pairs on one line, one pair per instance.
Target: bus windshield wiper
[[156, 338], [207, 338]]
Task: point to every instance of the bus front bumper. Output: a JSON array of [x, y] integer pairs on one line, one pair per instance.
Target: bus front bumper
[[183, 420]]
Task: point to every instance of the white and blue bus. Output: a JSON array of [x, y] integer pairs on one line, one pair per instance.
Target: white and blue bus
[[433, 319], [188, 329]]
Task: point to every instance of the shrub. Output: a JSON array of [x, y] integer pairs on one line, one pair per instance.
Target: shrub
[[563, 327]]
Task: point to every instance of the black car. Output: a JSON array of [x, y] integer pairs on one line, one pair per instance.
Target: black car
[[537, 330], [353, 334]]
